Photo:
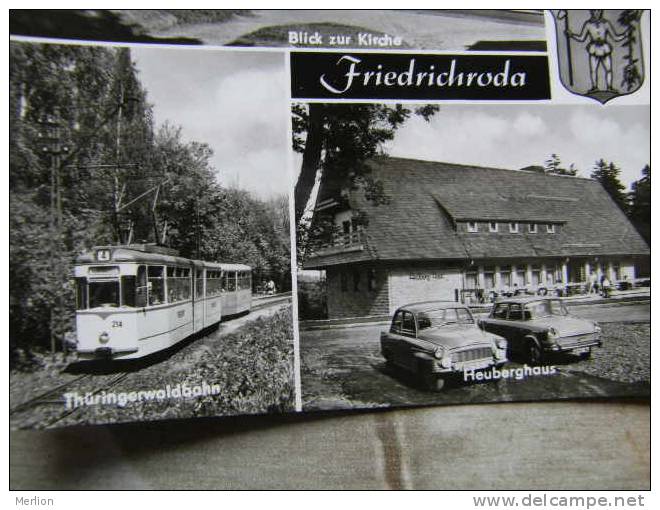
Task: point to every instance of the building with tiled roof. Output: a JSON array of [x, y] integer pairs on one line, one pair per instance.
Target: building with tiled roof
[[462, 232]]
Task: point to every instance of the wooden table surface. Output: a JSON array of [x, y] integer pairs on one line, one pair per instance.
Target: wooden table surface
[[558, 445]]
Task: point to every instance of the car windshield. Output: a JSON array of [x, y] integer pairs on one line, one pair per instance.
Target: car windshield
[[545, 309], [441, 317]]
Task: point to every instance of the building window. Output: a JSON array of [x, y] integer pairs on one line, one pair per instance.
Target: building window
[[489, 277], [550, 228], [536, 275], [471, 280], [343, 281], [349, 231], [532, 228], [513, 228], [505, 276], [492, 226], [521, 276], [472, 226], [356, 281]]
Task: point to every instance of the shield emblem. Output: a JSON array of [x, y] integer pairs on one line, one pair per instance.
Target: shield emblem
[[600, 51]]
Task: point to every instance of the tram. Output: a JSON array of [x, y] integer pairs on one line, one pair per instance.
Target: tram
[[138, 299]]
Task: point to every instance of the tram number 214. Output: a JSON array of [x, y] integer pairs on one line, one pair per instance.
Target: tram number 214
[[116, 324]]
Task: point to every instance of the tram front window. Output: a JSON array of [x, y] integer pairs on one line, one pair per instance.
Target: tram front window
[[104, 294], [128, 293], [81, 293]]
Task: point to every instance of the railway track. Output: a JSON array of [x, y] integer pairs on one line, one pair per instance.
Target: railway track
[[48, 408], [49, 401], [68, 412], [265, 302], [44, 398]]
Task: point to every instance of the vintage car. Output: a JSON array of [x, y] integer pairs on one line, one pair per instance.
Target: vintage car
[[537, 326], [435, 339]]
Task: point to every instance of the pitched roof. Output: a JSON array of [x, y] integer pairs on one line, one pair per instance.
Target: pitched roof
[[427, 198]]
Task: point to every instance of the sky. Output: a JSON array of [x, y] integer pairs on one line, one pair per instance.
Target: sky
[[515, 136], [236, 102]]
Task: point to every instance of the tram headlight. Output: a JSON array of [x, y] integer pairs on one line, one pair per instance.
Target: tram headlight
[[104, 337]]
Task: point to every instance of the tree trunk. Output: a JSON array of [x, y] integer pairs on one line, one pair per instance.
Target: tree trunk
[[311, 159]]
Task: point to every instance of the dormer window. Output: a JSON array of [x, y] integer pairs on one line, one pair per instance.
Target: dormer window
[[492, 226], [513, 228], [532, 228], [472, 226], [551, 228]]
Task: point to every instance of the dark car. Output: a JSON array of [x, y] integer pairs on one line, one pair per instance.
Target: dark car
[[535, 327], [436, 338]]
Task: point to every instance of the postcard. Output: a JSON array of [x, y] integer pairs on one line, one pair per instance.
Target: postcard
[[231, 212]]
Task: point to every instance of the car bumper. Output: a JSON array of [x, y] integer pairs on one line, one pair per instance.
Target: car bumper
[[578, 342], [465, 366]]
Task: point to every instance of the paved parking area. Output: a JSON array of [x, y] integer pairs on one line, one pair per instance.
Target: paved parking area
[[343, 368]]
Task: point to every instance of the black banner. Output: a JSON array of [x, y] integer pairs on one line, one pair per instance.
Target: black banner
[[353, 75]]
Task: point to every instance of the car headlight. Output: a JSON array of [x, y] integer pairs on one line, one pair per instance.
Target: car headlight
[[552, 334], [439, 353], [500, 342], [597, 328]]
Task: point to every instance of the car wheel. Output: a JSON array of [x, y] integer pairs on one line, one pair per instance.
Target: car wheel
[[586, 355], [433, 381], [534, 352]]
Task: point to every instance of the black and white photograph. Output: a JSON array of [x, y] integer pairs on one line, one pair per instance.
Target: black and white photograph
[[329, 249], [434, 29], [150, 253], [462, 253]]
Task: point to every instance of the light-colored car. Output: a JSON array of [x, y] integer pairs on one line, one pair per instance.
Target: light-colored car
[[536, 327], [435, 339]]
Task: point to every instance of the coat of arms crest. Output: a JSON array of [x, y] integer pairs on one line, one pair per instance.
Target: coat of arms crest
[[600, 52]]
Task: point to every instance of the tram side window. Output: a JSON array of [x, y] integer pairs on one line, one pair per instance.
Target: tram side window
[[81, 293], [213, 283], [141, 287], [186, 284], [155, 285], [199, 283], [224, 282], [244, 280], [178, 284], [231, 281]]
